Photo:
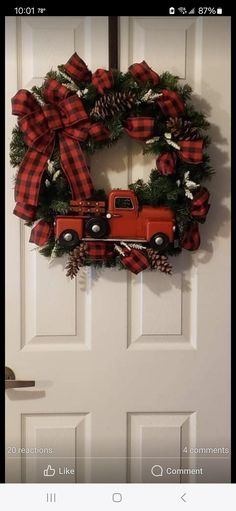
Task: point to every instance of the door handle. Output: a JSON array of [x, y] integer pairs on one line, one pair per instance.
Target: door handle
[[12, 383]]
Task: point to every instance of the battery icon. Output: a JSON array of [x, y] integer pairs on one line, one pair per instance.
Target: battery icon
[[219, 10]]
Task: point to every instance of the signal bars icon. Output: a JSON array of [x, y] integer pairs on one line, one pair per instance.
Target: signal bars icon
[[192, 11]]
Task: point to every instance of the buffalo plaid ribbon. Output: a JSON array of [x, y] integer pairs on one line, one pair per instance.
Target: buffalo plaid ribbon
[[25, 211], [171, 103], [166, 163], [191, 239], [200, 205], [133, 259], [99, 249], [143, 73], [77, 69], [98, 131], [63, 114], [102, 79], [140, 128], [191, 151], [41, 232]]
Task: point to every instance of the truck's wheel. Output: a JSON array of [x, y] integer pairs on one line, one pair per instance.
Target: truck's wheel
[[159, 241], [97, 227], [68, 238]]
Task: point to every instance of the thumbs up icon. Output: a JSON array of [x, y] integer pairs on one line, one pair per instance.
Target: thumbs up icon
[[49, 471]]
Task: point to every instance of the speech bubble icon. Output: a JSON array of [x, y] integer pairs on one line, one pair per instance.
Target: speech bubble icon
[[157, 471]]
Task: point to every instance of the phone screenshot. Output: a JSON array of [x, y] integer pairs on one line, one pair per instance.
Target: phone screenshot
[[118, 348]]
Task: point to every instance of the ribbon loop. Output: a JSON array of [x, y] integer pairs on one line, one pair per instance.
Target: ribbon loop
[[33, 126], [140, 128], [77, 69], [99, 249], [171, 103], [24, 103], [134, 260], [143, 73], [102, 79], [54, 91], [191, 151], [98, 131], [166, 163], [191, 239], [200, 205]]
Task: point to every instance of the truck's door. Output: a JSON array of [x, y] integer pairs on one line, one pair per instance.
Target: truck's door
[[123, 222]]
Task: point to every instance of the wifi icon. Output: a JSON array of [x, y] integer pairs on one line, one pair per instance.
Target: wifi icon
[[182, 10]]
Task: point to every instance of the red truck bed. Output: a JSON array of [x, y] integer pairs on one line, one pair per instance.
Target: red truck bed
[[85, 207]]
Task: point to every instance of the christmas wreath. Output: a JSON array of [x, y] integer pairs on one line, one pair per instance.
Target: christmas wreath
[[74, 113]]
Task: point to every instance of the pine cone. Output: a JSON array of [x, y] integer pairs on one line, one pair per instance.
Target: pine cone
[[182, 129], [158, 261], [112, 103], [76, 259]]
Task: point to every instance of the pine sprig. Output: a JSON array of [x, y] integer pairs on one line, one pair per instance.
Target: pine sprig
[[198, 119], [18, 148], [169, 81], [47, 249], [159, 190]]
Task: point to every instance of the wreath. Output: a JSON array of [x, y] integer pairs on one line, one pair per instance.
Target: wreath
[[75, 112]]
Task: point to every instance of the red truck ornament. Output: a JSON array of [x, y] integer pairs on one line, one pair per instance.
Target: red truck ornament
[[122, 219]]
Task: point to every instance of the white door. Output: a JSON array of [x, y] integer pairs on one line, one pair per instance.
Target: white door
[[130, 370]]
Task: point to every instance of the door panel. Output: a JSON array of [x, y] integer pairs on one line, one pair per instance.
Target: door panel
[[162, 436], [65, 438], [128, 368]]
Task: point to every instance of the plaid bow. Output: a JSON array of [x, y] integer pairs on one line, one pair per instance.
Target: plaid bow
[[166, 163], [143, 73], [171, 103], [77, 69], [191, 238], [41, 233], [102, 80], [200, 206], [191, 151], [99, 249], [140, 128], [63, 112]]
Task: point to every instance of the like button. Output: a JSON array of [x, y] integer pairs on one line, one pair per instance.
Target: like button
[[49, 471]]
